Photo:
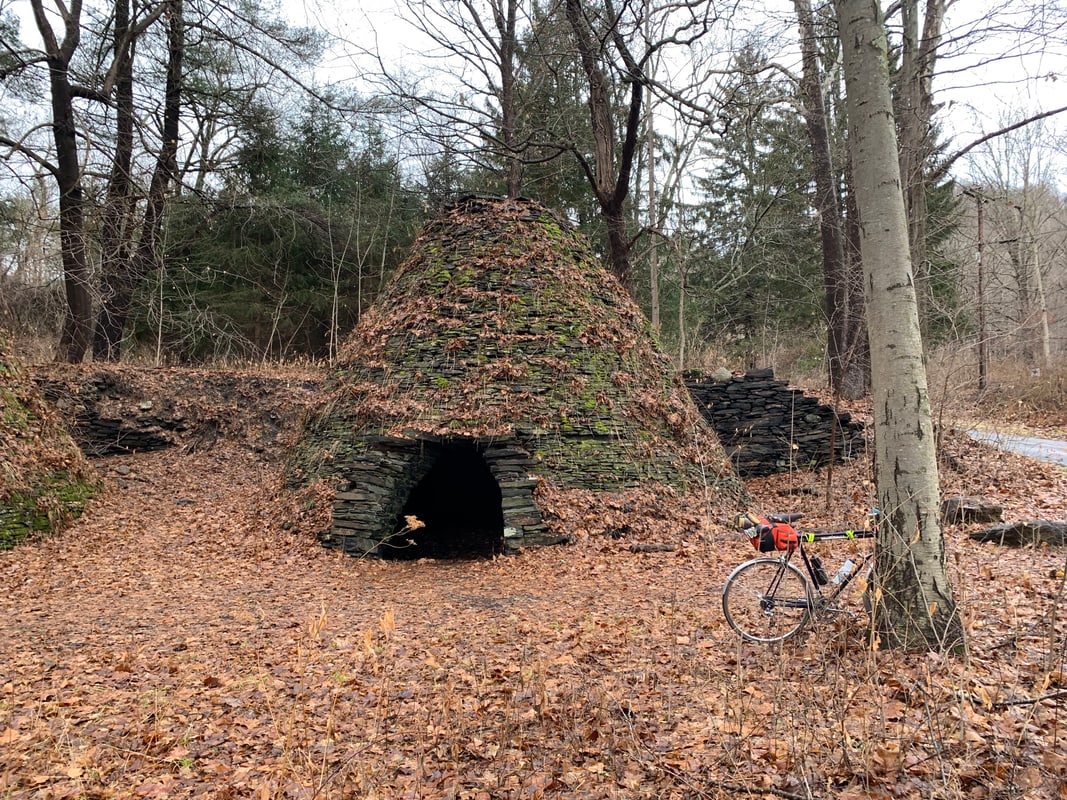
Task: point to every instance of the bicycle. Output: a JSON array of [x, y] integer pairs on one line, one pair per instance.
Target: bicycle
[[771, 598]]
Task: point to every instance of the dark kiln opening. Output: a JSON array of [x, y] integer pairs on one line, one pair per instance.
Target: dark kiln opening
[[476, 497], [459, 501]]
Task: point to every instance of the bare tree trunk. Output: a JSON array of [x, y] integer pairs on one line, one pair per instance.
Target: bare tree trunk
[[117, 215], [609, 179], [1030, 264], [166, 169], [983, 342], [132, 262], [848, 355], [856, 377], [1042, 320], [914, 115], [77, 326], [653, 200], [654, 225], [915, 608], [681, 313], [1019, 253], [506, 16], [831, 223]]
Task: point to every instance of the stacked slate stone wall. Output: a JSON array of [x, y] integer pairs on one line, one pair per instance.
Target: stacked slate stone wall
[[768, 427], [758, 419], [754, 415], [148, 425]]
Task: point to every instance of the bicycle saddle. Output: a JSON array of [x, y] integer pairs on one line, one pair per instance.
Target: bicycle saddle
[[788, 519]]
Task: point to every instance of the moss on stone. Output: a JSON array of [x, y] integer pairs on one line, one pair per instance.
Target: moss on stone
[[45, 480], [51, 506], [528, 339]]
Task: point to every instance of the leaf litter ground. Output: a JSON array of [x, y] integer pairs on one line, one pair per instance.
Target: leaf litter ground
[[179, 642]]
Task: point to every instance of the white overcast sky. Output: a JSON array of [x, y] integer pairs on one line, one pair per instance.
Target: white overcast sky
[[981, 92], [981, 89]]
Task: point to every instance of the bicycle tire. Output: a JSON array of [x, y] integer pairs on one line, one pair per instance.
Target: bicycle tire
[[767, 600]]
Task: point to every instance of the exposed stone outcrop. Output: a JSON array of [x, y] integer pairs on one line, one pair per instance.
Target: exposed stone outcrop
[[120, 408]]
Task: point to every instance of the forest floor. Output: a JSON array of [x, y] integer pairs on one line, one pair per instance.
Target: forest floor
[[184, 640]]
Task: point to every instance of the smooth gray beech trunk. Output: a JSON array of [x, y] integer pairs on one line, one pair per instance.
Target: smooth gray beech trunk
[[915, 609]]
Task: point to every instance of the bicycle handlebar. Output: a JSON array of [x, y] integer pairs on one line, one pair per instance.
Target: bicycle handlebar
[[826, 536]]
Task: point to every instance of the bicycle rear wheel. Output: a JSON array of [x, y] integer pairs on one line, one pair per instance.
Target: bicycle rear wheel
[[767, 600]]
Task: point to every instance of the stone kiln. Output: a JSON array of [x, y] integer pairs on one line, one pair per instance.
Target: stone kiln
[[502, 363]]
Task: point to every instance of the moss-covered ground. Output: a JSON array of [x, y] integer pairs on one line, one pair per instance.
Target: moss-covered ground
[[45, 480]]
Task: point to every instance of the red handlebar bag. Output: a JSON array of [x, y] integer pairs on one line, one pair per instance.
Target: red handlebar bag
[[773, 536]]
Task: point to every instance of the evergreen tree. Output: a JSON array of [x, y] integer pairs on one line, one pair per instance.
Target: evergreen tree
[[757, 269], [553, 106], [284, 260]]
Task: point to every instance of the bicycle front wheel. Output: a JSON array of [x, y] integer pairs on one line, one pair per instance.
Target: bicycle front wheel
[[767, 600]]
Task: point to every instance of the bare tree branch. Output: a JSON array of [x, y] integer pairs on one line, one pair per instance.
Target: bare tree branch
[[947, 163]]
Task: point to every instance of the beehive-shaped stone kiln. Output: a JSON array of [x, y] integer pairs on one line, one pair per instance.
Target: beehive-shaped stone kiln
[[501, 363]]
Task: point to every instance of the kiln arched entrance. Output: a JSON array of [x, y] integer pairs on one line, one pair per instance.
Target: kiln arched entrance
[[459, 500]]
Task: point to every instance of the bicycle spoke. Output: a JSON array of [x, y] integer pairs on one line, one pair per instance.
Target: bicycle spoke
[[766, 600]]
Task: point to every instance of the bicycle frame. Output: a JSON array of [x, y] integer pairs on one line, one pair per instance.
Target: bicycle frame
[[772, 597], [823, 599]]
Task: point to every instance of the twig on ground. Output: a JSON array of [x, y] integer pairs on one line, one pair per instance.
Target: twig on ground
[[1026, 701]]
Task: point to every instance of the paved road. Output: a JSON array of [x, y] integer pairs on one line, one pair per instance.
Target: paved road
[[1041, 449]]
